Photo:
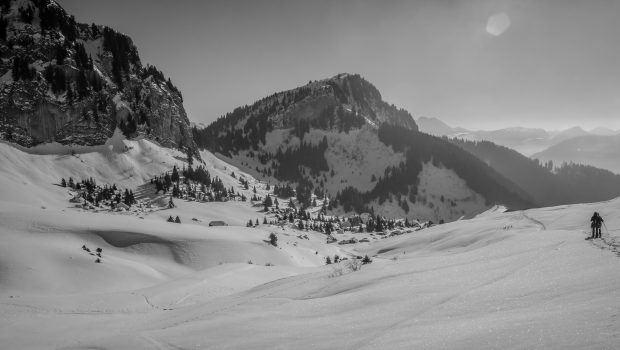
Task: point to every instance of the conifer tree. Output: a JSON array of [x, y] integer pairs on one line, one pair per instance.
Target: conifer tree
[[15, 69], [267, 203], [82, 85], [273, 239], [190, 160], [69, 95], [61, 54], [3, 24]]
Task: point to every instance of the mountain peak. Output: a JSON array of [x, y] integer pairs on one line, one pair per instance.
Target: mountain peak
[[356, 93]]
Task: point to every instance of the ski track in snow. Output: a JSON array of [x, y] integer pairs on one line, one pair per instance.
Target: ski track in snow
[[606, 242], [537, 222]]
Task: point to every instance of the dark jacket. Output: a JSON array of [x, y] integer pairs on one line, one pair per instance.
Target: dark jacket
[[596, 220]]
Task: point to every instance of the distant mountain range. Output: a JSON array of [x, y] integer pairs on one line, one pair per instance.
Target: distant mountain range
[[546, 183], [527, 141], [599, 151]]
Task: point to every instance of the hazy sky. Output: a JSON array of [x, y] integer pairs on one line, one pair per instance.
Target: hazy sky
[[477, 64]]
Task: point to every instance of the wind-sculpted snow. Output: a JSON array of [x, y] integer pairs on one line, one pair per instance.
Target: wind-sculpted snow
[[512, 280]]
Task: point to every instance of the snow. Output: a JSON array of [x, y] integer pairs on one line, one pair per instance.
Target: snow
[[509, 280], [436, 182], [121, 104], [7, 78]]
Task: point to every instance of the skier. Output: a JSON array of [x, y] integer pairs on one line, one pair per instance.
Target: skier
[[596, 222]]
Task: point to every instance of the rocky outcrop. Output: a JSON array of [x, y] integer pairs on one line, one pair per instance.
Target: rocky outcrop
[[75, 83]]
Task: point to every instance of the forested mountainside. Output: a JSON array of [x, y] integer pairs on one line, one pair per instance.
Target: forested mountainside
[[546, 183], [74, 83], [337, 137]]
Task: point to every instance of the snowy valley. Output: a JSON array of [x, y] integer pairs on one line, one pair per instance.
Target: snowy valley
[[512, 280], [318, 217]]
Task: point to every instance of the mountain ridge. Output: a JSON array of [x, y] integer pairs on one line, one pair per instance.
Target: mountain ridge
[[74, 83], [526, 140], [596, 150], [333, 137]]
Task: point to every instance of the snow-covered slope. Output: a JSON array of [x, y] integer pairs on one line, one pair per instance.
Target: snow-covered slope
[[501, 280], [358, 159], [337, 138]]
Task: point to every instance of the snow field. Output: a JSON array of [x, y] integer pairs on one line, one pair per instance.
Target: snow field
[[501, 280]]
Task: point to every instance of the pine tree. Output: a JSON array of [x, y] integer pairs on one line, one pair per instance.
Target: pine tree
[[70, 97], [328, 260], [177, 220], [256, 223], [264, 220], [190, 160], [15, 71], [379, 225], [61, 54], [273, 239], [175, 174], [82, 85], [63, 183], [71, 183], [3, 24], [94, 30], [267, 203]]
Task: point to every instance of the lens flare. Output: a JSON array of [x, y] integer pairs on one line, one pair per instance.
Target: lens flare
[[498, 24]]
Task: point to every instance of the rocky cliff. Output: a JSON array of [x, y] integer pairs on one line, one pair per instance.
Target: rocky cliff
[[76, 83]]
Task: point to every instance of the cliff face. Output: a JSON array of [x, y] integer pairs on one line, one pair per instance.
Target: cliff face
[[76, 83]]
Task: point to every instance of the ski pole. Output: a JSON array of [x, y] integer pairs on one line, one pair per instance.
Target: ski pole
[[605, 226]]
